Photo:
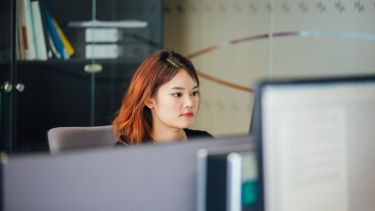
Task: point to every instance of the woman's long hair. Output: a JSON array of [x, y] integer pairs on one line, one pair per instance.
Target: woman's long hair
[[133, 123]]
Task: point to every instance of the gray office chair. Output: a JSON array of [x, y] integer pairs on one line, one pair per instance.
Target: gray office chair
[[61, 139]]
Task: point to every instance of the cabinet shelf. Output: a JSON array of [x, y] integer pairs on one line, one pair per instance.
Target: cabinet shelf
[[79, 62], [73, 61]]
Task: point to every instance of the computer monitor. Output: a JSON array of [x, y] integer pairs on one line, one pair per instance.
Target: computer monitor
[[227, 178], [315, 144], [143, 177]]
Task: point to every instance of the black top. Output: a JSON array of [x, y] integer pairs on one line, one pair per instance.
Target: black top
[[191, 134]]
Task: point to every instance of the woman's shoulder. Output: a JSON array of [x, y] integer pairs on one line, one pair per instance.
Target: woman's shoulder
[[197, 133], [191, 134]]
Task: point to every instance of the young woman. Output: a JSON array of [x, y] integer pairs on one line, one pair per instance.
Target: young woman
[[161, 102]]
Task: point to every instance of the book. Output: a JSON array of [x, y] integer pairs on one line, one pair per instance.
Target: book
[[53, 48], [39, 32], [21, 33], [29, 29], [49, 43], [69, 50], [58, 45]]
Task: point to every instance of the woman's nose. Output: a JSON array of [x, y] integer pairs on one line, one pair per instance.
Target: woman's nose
[[188, 101]]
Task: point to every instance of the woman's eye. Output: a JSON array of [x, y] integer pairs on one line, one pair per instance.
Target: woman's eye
[[177, 94], [195, 93]]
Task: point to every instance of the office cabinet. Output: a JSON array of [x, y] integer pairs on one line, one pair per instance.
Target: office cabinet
[[83, 90]]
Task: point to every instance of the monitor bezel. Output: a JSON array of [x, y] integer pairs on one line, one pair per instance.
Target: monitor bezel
[[256, 129]]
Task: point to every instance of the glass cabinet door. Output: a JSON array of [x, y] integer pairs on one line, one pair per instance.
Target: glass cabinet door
[[7, 75], [79, 80]]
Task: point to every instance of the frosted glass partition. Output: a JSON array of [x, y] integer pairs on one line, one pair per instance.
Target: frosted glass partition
[[236, 43], [334, 38]]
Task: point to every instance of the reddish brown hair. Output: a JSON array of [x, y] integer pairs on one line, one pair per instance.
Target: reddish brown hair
[[133, 123]]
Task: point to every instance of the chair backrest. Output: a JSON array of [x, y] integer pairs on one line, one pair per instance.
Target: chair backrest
[[61, 139]]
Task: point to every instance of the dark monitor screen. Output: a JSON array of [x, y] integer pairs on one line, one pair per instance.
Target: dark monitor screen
[[227, 179], [315, 144]]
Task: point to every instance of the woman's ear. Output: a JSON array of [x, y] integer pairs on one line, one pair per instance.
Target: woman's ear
[[150, 104]]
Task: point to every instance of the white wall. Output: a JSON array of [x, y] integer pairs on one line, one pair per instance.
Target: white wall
[[192, 25]]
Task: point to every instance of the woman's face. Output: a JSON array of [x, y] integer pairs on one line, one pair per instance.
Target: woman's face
[[176, 102]]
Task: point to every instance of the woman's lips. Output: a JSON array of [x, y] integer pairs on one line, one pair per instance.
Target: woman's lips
[[188, 114]]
